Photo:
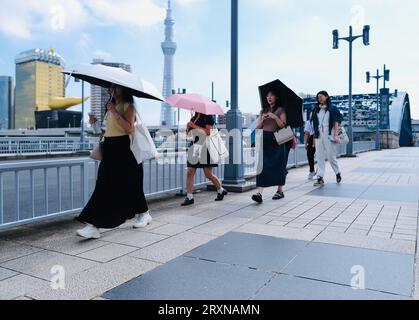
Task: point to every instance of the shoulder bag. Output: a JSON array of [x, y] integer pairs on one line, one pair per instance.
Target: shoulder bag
[[284, 135], [142, 145]]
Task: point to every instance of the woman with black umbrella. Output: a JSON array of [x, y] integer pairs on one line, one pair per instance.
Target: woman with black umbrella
[[273, 158]]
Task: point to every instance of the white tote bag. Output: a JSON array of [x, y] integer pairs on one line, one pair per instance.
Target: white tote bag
[[142, 145], [343, 137], [216, 146]]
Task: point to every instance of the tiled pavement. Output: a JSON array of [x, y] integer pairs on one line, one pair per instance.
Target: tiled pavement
[[370, 220]]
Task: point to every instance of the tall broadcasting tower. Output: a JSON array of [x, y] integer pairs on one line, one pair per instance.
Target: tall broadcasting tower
[[169, 50]]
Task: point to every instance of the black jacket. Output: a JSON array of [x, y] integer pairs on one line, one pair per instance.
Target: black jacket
[[335, 116]]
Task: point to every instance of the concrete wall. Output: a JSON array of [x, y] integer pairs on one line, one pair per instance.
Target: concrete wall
[[390, 139]]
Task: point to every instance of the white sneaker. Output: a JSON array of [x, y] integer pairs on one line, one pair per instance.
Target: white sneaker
[[142, 220], [89, 232], [311, 175]]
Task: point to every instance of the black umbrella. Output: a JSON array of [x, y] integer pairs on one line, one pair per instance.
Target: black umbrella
[[288, 99]]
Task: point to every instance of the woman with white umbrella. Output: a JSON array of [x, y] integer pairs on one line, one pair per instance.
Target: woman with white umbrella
[[118, 195]]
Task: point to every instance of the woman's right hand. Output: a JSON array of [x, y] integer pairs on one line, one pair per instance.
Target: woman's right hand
[[92, 119]]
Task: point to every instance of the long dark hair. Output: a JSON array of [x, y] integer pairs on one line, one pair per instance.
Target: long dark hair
[[127, 96], [328, 101], [266, 107]]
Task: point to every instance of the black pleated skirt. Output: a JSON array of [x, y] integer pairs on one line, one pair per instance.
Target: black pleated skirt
[[273, 163], [119, 194], [202, 162]]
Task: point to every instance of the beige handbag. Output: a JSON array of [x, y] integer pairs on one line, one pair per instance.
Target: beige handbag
[[97, 152], [284, 135]]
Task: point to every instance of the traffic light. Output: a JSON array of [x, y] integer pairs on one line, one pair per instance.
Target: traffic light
[[368, 77], [335, 39], [366, 35], [387, 75]]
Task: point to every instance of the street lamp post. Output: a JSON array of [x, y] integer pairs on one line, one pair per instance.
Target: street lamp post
[[386, 77], [234, 170], [365, 35], [82, 114], [377, 135]]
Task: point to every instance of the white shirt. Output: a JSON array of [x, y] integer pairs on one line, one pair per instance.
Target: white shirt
[[309, 128], [324, 118]]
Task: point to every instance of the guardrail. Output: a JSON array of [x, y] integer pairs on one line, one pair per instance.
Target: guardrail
[[22, 146], [38, 190]]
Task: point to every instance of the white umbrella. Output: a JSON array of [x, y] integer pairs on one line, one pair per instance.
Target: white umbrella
[[105, 76]]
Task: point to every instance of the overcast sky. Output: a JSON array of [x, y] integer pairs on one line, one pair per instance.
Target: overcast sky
[[286, 39]]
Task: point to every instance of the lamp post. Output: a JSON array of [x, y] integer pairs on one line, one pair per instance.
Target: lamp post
[[377, 135], [351, 38], [82, 114], [234, 172]]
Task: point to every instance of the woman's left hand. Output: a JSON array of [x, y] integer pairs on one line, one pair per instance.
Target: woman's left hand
[[272, 116], [111, 108], [192, 125]]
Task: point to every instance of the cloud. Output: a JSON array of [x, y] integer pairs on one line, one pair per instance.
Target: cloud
[[24, 18], [188, 2], [102, 54], [21, 19], [137, 13]]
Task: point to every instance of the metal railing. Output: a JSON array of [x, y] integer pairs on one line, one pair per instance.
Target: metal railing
[[38, 190], [36, 145]]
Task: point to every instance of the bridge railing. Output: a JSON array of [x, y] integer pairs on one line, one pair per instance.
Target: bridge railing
[[38, 190], [25, 146]]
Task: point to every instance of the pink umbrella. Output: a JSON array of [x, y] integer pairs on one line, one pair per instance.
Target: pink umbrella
[[195, 102]]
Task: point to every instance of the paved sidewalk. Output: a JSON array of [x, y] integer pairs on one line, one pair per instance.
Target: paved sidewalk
[[303, 243]]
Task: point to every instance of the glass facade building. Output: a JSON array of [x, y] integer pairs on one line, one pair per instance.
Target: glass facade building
[[6, 102], [39, 78]]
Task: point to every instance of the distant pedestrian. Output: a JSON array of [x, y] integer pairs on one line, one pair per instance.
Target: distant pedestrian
[[326, 119], [118, 195], [273, 173], [310, 146], [200, 127]]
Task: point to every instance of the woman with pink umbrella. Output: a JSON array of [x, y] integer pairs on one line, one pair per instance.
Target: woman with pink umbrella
[[200, 127]]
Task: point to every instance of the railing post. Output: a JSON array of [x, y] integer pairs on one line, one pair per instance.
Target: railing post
[[85, 182]]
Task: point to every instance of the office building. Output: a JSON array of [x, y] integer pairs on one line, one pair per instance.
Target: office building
[[39, 78], [6, 103]]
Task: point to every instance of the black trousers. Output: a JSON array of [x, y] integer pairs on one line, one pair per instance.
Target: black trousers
[[311, 151]]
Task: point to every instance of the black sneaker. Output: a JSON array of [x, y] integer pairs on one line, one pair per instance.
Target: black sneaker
[[319, 182], [339, 178], [257, 198], [188, 202], [220, 196], [278, 196]]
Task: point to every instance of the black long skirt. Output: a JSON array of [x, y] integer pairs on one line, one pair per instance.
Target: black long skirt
[[118, 195], [273, 163]]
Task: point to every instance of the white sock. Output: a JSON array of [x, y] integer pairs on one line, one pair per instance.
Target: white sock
[[220, 191], [189, 196]]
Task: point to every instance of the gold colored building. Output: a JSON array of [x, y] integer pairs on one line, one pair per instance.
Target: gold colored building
[[39, 79]]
